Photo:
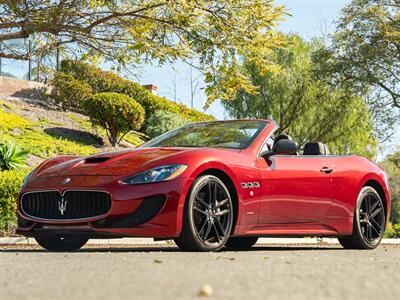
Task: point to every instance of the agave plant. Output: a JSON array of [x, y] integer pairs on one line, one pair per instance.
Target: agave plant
[[11, 156]]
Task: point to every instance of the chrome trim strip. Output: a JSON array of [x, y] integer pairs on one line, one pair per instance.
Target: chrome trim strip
[[62, 194]]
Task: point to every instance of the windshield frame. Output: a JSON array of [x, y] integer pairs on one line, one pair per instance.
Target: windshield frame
[[263, 125]]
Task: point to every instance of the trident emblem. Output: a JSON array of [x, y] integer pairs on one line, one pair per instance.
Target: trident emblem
[[62, 206]]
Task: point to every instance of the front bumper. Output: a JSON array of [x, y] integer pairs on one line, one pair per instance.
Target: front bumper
[[147, 210]]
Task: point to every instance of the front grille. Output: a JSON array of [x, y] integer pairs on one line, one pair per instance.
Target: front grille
[[72, 205]]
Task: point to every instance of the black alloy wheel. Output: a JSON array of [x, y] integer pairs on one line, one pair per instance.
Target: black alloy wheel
[[208, 216], [369, 221]]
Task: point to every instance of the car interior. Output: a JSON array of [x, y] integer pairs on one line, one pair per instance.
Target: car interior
[[311, 148]]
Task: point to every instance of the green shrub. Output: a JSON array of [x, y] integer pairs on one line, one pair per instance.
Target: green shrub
[[396, 228], [103, 81], [392, 231], [163, 121], [10, 184], [389, 232], [117, 113], [11, 156], [68, 91]]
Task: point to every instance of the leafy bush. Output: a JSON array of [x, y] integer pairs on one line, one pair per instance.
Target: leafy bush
[[392, 231], [10, 184], [396, 228], [163, 121], [117, 113], [11, 156], [69, 92], [103, 81], [391, 165]]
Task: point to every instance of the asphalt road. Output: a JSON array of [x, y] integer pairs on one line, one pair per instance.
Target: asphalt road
[[273, 272]]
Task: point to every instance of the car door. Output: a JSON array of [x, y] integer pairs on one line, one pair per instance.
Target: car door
[[294, 188]]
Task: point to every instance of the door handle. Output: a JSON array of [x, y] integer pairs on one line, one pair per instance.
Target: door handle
[[326, 170]]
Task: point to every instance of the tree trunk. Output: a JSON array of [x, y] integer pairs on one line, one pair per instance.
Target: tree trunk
[[113, 138]]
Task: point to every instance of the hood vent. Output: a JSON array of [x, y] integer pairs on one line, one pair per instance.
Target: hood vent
[[96, 160]]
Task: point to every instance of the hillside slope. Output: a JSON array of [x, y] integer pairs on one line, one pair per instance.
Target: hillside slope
[[44, 131]]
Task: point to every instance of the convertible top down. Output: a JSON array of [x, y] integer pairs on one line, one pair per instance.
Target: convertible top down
[[207, 185]]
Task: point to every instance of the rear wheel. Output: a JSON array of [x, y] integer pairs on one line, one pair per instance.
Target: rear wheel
[[61, 243], [241, 243], [369, 221], [207, 217]]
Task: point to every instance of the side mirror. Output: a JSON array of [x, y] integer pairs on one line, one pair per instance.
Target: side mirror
[[282, 147]]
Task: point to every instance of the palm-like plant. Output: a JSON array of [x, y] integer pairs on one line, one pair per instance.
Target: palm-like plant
[[11, 156]]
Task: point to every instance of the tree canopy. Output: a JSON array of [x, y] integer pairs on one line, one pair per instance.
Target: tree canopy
[[364, 55], [215, 33], [305, 107]]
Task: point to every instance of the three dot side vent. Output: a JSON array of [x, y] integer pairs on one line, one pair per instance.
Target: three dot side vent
[[250, 185]]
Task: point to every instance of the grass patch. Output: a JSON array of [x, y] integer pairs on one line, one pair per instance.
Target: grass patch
[[6, 104], [83, 123], [29, 136], [134, 139], [45, 122]]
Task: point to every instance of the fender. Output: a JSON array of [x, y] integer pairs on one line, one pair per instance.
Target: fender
[[381, 178]]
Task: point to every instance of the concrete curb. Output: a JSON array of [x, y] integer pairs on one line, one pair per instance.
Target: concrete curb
[[150, 241]]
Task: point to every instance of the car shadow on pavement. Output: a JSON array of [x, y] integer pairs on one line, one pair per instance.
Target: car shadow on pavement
[[285, 248], [116, 249]]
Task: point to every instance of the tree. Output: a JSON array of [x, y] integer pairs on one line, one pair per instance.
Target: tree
[[305, 107], [216, 33], [365, 56], [392, 167], [68, 91], [117, 113], [163, 121]]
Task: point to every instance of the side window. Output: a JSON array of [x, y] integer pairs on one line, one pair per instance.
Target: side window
[[268, 144]]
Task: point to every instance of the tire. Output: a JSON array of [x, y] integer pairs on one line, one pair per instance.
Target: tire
[[241, 243], [369, 221], [207, 217], [60, 243]]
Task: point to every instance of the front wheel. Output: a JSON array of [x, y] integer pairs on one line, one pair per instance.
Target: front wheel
[[207, 217], [369, 221], [61, 243]]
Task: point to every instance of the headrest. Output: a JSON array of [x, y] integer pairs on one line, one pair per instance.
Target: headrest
[[285, 146], [282, 136], [315, 149]]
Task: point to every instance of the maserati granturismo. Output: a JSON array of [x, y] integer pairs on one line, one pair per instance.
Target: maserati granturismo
[[207, 186]]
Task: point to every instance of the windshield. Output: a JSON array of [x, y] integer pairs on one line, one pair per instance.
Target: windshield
[[226, 134]]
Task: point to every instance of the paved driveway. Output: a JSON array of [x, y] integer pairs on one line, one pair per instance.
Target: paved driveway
[[163, 272]]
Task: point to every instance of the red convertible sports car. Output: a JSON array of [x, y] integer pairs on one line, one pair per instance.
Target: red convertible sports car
[[207, 185]]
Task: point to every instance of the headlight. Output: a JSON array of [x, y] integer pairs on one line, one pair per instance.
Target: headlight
[[158, 174], [26, 179]]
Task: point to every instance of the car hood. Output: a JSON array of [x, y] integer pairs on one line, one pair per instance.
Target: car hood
[[112, 163]]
